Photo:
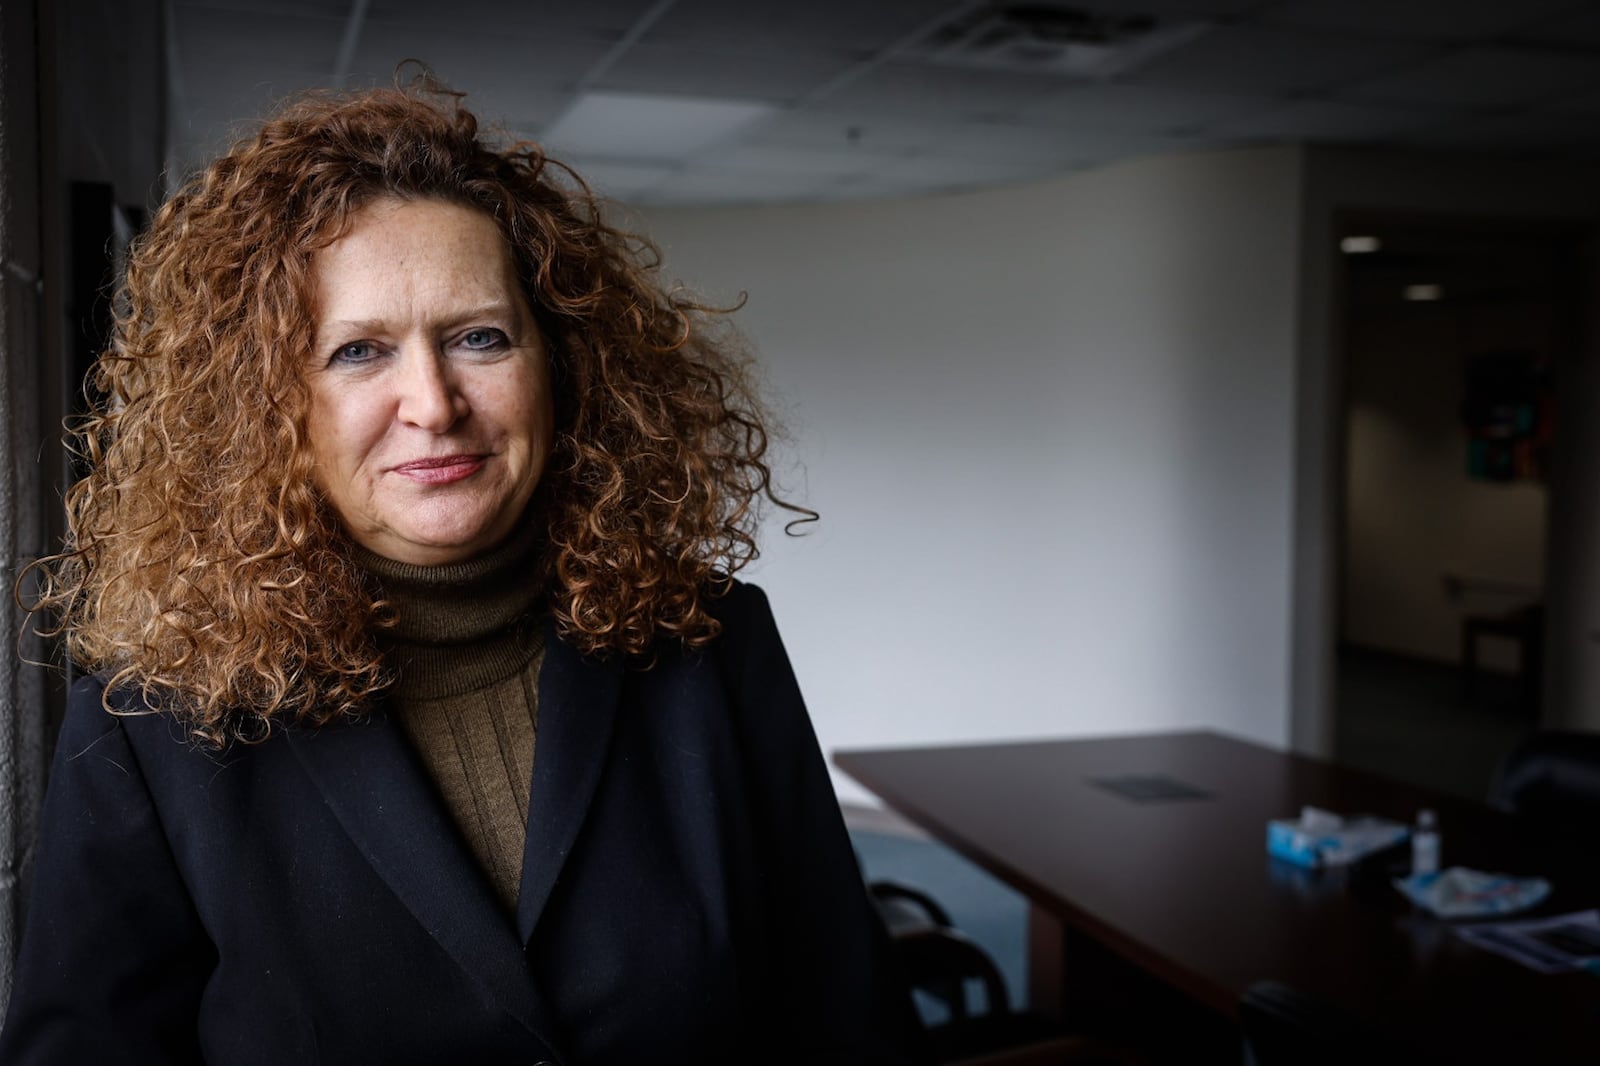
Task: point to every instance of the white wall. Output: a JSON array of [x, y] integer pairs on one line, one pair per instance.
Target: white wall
[[1050, 431]]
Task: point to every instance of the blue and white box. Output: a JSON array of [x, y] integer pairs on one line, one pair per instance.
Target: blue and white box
[[1322, 838]]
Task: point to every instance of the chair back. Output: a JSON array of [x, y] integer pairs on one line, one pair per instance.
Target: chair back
[[904, 908], [941, 963], [1552, 779]]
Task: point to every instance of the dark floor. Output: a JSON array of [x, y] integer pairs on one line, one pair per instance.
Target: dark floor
[[1417, 721]]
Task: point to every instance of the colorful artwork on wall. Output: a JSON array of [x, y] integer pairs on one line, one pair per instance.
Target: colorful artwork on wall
[[1508, 411]]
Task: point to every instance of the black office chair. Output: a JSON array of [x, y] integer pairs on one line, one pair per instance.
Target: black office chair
[[945, 966], [904, 908], [1552, 781]]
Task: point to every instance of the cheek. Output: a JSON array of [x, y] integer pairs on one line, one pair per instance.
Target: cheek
[[321, 422], [335, 428], [522, 409]]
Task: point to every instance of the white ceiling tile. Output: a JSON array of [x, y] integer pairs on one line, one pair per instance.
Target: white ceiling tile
[[309, 42], [486, 20], [830, 132], [1481, 77], [1323, 120], [860, 25], [621, 180], [1525, 132], [826, 130], [339, 9], [952, 170], [1138, 108], [1080, 148], [915, 90], [756, 73], [710, 186], [936, 176], [1577, 27], [492, 72], [1171, 9], [1586, 100], [773, 160], [1436, 20], [901, 187], [227, 83], [1027, 146], [650, 127], [234, 102], [527, 114], [1279, 70], [1250, 59], [228, 100]]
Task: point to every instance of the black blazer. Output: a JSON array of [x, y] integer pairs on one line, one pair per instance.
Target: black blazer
[[688, 892]]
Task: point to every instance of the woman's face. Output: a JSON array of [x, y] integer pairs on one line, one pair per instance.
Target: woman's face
[[431, 415]]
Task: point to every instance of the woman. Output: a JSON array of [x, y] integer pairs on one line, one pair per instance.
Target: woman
[[438, 731]]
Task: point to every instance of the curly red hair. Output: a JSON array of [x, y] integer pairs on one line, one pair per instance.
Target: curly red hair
[[203, 564]]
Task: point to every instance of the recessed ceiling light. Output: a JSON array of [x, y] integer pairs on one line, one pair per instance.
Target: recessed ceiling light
[[1363, 245], [1424, 292], [644, 126]]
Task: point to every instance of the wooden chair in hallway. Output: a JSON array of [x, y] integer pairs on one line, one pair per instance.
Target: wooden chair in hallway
[[1524, 627]]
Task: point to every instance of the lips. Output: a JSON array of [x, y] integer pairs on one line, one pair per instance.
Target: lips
[[441, 469]]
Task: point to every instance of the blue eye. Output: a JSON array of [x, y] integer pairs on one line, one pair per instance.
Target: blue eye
[[483, 339], [356, 352]]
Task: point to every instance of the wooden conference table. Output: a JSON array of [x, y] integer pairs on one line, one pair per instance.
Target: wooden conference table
[[1174, 882]]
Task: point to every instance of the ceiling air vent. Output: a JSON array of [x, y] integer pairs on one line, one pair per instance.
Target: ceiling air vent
[[1051, 39]]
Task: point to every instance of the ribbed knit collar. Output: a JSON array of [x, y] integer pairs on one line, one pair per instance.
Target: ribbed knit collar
[[463, 626]]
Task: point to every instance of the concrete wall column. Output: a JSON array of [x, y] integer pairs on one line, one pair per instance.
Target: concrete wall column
[[1572, 624], [23, 710]]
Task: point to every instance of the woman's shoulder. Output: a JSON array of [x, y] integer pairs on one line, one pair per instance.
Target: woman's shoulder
[[101, 698], [99, 705], [738, 603], [114, 751], [748, 627], [95, 708]]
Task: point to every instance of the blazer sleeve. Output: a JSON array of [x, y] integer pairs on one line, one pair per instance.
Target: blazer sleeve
[[848, 1003], [113, 959]]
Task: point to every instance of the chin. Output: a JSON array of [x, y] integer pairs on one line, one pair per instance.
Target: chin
[[458, 547], [477, 538]]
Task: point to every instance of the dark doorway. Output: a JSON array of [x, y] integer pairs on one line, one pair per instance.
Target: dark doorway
[[1454, 334]]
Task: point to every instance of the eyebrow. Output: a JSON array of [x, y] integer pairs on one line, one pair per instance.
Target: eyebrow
[[497, 310], [361, 325]]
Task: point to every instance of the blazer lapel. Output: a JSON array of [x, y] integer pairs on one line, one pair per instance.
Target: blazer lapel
[[578, 700], [383, 798]]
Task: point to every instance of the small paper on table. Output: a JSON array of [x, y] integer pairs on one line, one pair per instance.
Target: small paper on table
[[1550, 945]]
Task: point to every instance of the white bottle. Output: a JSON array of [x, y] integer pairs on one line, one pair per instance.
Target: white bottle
[[1425, 843]]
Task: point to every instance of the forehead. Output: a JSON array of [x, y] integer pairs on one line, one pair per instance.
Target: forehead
[[410, 249]]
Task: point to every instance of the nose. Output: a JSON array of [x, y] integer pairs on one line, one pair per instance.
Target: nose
[[430, 398]]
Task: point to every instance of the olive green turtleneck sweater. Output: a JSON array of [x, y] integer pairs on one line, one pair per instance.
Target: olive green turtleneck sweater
[[467, 649]]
